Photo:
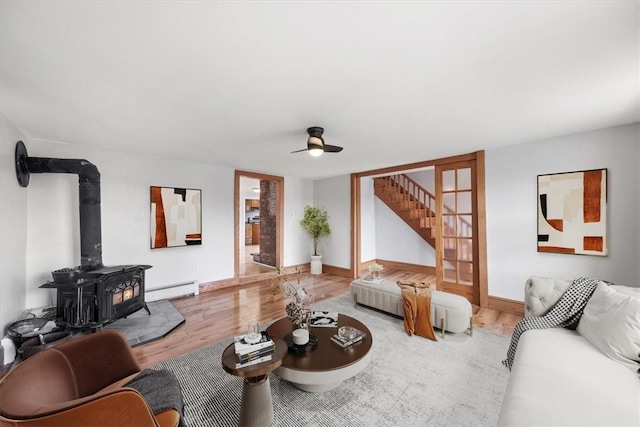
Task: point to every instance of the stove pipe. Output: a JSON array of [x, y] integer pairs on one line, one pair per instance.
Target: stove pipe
[[89, 197]]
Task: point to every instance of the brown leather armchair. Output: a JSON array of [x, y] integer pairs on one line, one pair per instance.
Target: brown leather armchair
[[79, 383]]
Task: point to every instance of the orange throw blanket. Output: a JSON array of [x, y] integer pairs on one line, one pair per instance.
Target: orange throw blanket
[[417, 309]]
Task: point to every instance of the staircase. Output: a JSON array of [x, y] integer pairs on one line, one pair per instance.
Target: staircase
[[411, 202], [417, 206]]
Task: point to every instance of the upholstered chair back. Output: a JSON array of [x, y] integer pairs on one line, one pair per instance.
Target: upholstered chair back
[[542, 293]]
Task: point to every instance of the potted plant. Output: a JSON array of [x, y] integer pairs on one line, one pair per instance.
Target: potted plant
[[316, 222]]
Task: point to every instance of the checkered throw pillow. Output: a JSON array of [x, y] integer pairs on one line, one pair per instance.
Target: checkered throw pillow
[[565, 314]]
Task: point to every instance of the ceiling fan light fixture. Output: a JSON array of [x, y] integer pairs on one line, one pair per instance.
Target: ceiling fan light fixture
[[315, 143], [315, 146], [316, 152]]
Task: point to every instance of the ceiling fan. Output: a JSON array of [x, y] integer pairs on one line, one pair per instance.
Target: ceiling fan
[[316, 145]]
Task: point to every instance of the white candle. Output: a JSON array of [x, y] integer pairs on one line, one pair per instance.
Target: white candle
[[300, 336]]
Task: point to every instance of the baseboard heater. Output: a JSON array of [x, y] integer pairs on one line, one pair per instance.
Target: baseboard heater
[[175, 290]]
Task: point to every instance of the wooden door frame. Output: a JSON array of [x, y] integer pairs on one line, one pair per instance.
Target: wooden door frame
[[237, 224], [480, 206]]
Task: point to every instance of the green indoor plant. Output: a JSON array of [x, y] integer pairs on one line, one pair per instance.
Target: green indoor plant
[[316, 222]]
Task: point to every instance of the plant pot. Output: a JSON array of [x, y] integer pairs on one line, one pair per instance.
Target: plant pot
[[316, 264]]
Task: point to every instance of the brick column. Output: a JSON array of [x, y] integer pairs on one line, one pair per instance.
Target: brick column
[[268, 219]]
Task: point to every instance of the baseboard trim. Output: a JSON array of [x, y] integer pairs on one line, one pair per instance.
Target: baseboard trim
[[227, 283], [336, 271], [217, 284], [305, 268], [416, 268], [506, 305], [175, 290]]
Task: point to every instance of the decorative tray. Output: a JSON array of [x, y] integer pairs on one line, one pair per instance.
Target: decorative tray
[[295, 348]]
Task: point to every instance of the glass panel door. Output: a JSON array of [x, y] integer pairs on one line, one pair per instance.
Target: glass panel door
[[456, 261]]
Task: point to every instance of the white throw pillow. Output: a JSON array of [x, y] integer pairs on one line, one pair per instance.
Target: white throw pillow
[[626, 290], [611, 322]]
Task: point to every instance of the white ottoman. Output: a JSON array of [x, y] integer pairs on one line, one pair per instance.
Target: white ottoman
[[449, 312]]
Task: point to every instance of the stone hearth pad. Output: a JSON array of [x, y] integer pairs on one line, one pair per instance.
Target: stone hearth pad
[[140, 328]]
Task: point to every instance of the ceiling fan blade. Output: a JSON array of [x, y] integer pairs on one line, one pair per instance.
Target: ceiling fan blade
[[332, 148], [300, 151]]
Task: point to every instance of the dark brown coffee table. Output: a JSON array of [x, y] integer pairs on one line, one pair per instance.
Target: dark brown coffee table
[[325, 367]]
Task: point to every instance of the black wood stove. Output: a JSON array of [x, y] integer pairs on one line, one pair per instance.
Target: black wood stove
[[91, 294]]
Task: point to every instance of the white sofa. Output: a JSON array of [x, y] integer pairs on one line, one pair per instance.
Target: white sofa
[[559, 378]]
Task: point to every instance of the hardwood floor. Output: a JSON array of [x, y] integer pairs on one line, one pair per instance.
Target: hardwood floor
[[212, 316], [247, 266]]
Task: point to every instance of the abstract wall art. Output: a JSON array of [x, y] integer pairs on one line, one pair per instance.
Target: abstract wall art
[[176, 217], [572, 212]]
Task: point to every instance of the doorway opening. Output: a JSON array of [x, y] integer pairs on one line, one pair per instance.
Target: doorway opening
[[445, 207], [258, 225]]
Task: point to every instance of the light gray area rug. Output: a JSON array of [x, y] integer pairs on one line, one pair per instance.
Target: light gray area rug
[[411, 381]]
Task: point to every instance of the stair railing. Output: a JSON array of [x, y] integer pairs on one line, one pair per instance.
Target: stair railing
[[413, 191]]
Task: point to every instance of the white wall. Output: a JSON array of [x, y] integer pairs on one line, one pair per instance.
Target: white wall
[[367, 220], [53, 222], [511, 177], [40, 224], [426, 178], [384, 235], [334, 194], [13, 227], [396, 241], [298, 246]]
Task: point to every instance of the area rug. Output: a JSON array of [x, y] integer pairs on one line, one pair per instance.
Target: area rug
[[411, 381]]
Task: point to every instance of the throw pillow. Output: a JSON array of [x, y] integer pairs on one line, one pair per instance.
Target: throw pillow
[[626, 290], [611, 322]]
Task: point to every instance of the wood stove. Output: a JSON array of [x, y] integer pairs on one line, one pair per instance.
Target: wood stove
[[100, 296], [91, 294]]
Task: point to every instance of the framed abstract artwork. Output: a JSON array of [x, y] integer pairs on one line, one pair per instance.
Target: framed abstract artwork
[[176, 217], [572, 212]]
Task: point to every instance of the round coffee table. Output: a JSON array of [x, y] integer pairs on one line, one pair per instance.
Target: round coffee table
[[257, 405], [325, 367]]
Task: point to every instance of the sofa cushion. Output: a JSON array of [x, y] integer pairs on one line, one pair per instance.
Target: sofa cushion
[[560, 379], [611, 322]]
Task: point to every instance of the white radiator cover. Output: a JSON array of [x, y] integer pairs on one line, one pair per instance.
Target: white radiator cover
[[175, 290]]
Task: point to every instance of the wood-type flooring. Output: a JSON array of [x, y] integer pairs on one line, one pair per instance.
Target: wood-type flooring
[[214, 315]]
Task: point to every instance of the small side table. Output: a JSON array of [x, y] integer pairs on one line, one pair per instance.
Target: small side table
[[257, 406]]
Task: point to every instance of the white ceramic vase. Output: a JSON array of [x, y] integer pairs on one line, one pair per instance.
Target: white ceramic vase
[[316, 264]]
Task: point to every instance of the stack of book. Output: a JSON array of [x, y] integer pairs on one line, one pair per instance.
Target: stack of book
[[344, 343], [252, 354]]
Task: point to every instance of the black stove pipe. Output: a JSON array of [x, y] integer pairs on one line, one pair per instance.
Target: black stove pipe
[[89, 197]]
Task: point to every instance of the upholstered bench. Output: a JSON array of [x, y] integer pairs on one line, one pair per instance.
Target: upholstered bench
[[449, 312]]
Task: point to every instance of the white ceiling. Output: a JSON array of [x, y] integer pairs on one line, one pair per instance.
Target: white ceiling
[[237, 83]]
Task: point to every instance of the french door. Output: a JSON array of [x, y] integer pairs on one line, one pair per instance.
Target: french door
[[456, 231]]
